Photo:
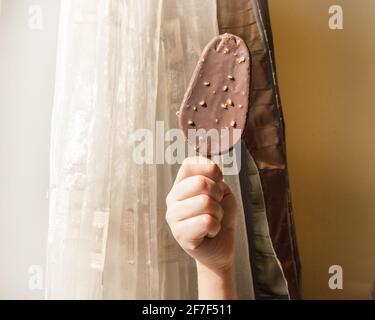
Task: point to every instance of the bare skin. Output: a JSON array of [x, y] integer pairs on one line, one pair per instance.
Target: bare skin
[[201, 212]]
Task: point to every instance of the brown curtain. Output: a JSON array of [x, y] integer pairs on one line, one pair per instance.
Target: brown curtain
[[264, 177]]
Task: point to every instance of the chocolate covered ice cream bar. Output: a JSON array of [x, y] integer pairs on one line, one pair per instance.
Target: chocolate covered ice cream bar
[[217, 96]]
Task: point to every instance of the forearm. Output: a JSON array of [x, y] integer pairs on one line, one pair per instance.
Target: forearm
[[216, 285]]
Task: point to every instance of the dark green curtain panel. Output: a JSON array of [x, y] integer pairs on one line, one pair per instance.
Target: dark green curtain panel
[[264, 177]]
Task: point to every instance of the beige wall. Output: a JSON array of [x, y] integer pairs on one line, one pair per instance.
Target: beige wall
[[327, 82]]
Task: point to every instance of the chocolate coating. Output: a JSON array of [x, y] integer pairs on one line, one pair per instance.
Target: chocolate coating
[[218, 93]]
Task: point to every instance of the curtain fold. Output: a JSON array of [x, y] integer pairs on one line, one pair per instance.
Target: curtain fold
[[122, 65], [264, 175]]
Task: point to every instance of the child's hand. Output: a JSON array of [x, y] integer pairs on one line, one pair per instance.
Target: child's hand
[[202, 214]]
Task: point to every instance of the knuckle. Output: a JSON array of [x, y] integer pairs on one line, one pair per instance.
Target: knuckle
[[169, 216], [220, 213], [214, 170], [207, 221], [187, 161], [168, 199], [200, 183], [206, 201], [191, 245], [177, 234]]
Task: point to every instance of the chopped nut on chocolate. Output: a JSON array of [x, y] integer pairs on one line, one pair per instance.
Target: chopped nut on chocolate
[[242, 59], [218, 94]]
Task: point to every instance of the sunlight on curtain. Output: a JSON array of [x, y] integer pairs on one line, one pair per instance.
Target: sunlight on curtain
[[121, 66]]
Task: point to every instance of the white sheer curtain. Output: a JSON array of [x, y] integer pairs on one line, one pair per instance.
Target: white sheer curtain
[[122, 65]]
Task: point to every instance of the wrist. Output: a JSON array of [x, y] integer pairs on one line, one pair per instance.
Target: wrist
[[216, 283]]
